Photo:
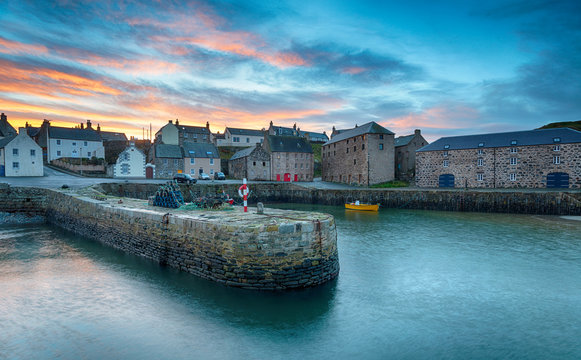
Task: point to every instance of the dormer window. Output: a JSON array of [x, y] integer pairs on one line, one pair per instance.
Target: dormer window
[[513, 142], [557, 140], [446, 146], [481, 144]]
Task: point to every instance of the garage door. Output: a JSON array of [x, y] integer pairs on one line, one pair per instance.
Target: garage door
[[446, 180], [558, 180]]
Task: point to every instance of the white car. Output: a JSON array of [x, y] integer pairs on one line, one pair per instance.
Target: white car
[[204, 176]]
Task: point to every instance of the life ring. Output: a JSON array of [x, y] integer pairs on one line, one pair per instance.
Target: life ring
[[243, 190]]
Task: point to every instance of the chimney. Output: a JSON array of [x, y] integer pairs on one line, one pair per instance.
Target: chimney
[[208, 125], [98, 128], [21, 130], [89, 124], [295, 126], [3, 118], [82, 126], [270, 122], [177, 122], [170, 121], [417, 131]]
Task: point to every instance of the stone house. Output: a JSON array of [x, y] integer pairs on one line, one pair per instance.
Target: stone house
[[241, 137], [168, 160], [20, 156], [315, 137], [60, 142], [130, 163], [405, 154], [177, 134], [283, 131], [200, 158], [251, 163], [363, 155], [545, 158], [291, 158]]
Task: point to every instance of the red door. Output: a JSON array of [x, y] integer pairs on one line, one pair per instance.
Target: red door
[[277, 177], [287, 177], [296, 177], [149, 172]]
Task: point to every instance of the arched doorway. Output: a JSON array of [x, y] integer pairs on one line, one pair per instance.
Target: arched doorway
[[557, 180], [446, 181]]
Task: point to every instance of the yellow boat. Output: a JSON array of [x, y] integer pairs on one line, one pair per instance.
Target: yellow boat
[[362, 207]]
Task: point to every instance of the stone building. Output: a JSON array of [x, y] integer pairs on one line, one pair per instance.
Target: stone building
[[200, 158], [547, 158], [405, 154], [291, 158], [363, 155], [168, 160], [177, 134], [241, 137], [283, 131], [251, 163]]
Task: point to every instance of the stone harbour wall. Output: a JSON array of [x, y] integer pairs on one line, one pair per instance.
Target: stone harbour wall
[[276, 251]]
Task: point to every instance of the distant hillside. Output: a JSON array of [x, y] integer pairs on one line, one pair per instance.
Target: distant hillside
[[575, 125]]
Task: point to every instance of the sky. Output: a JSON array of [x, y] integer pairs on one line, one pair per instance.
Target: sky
[[445, 67]]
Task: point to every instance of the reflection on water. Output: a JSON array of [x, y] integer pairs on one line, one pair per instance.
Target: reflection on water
[[412, 284]]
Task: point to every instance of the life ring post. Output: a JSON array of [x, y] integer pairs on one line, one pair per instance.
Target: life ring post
[[243, 192]]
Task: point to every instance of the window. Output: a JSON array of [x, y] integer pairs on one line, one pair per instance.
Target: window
[[211, 171], [334, 152], [124, 168], [204, 137], [175, 162], [446, 146], [89, 155], [480, 162], [185, 135], [347, 150], [74, 144], [556, 147], [347, 141], [513, 177], [381, 137], [247, 140], [557, 139], [16, 165], [165, 161], [193, 171], [85, 143], [556, 159], [480, 151], [296, 165], [15, 152], [192, 161], [58, 142], [354, 161], [513, 142], [264, 163], [211, 161], [301, 166], [481, 144], [32, 152], [445, 163], [513, 161], [58, 153], [513, 150], [480, 177], [362, 146], [354, 148], [380, 146], [446, 153], [254, 163]]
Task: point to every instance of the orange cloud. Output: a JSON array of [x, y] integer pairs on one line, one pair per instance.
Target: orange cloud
[[13, 47], [353, 70], [134, 67]]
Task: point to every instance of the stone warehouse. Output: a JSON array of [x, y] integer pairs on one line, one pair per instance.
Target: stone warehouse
[[291, 158], [405, 154], [548, 158], [363, 155], [252, 163]]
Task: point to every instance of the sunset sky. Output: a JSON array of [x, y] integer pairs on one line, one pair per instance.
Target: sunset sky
[[445, 67]]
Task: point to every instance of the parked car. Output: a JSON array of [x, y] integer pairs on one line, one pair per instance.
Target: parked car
[[204, 176], [184, 178], [219, 176]]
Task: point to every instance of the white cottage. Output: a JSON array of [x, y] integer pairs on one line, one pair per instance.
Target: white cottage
[[130, 163], [20, 156], [60, 142]]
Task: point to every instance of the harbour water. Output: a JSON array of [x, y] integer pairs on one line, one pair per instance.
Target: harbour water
[[413, 284]]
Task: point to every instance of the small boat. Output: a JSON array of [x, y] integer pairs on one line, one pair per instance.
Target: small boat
[[363, 207]]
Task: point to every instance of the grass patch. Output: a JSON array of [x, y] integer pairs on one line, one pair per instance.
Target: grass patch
[[391, 184]]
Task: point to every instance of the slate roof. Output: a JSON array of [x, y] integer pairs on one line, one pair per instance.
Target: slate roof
[[113, 136], [74, 134], [243, 153], [168, 151], [5, 141], [369, 128], [245, 132], [284, 131], [200, 150], [315, 135], [194, 129], [5, 128], [32, 131], [288, 144], [522, 138], [403, 140]]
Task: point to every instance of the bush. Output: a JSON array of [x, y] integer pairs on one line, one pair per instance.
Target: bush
[[391, 184]]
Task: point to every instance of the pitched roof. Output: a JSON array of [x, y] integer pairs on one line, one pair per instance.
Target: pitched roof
[[5, 128], [403, 140], [200, 150], [74, 134], [32, 131], [369, 128], [315, 135], [516, 138], [5, 141], [113, 136], [288, 144], [193, 129], [243, 153], [246, 132], [168, 151], [284, 131]]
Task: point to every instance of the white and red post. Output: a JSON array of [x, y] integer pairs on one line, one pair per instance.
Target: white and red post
[[243, 192]]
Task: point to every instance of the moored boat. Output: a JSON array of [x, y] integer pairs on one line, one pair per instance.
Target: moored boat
[[363, 207]]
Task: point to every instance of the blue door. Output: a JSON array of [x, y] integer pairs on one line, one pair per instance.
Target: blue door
[[557, 180], [2, 170], [446, 180]]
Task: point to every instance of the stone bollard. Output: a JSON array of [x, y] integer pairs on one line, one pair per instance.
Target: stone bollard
[[260, 208]]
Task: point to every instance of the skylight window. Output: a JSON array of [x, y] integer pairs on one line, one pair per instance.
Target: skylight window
[[513, 142], [557, 139], [446, 146], [481, 144]]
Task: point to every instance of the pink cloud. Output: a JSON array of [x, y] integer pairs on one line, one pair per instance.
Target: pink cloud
[[13, 47]]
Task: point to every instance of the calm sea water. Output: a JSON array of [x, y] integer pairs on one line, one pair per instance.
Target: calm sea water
[[413, 284]]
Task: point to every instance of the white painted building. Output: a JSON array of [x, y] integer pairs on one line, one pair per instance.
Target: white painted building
[[20, 156], [130, 163], [62, 142], [241, 137]]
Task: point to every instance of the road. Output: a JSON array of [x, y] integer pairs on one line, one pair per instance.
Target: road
[[55, 179]]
